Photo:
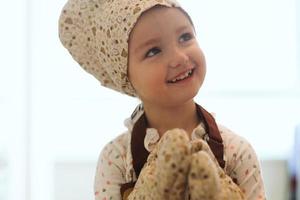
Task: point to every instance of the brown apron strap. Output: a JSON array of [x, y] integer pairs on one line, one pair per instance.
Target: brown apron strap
[[126, 189], [215, 141], [140, 154], [138, 150]]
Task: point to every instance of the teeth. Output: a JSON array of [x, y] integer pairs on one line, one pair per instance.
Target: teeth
[[183, 76]]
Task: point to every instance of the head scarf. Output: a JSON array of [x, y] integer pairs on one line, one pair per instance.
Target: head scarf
[[96, 33]]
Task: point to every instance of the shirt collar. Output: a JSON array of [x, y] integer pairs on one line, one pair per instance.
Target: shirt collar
[[152, 135]]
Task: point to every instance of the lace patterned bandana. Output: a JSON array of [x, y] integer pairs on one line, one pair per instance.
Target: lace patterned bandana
[[96, 34]]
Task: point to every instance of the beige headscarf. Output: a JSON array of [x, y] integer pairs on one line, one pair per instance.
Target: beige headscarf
[[96, 34]]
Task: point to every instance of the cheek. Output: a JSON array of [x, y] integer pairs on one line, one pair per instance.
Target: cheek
[[133, 72], [140, 79], [199, 57], [151, 83], [202, 63], [134, 80]]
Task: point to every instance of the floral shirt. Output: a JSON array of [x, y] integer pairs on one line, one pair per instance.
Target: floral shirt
[[115, 162]]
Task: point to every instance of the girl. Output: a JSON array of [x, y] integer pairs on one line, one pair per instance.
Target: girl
[[148, 49]]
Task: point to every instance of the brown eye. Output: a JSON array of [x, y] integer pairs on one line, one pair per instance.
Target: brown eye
[[186, 37], [152, 52]]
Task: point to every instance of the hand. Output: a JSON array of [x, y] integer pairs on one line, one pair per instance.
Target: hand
[[206, 179], [164, 176]]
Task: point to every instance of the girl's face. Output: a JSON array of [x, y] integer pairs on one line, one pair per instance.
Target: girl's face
[[166, 64]]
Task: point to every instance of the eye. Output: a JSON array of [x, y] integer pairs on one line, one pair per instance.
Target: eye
[[152, 52], [186, 37]]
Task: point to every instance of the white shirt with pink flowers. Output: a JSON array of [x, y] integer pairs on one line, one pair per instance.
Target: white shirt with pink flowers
[[115, 167]]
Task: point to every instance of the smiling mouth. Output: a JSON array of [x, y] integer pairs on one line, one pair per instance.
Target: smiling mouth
[[184, 76]]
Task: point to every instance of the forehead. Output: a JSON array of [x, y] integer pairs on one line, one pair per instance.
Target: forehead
[[157, 18]]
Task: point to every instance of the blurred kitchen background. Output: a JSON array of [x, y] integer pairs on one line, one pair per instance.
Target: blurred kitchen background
[[55, 118]]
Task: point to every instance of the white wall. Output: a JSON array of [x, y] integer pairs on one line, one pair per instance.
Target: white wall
[[52, 111], [13, 99]]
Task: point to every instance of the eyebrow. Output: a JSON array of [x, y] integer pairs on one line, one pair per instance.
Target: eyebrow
[[156, 40], [182, 28], [147, 43]]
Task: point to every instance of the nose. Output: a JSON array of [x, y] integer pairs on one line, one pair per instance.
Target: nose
[[178, 57]]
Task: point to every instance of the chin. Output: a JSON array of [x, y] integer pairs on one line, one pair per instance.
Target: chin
[[182, 98]]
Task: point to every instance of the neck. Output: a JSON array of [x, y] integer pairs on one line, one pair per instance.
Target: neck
[[166, 118]]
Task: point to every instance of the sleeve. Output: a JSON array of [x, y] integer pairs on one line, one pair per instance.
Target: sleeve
[[110, 173], [243, 167]]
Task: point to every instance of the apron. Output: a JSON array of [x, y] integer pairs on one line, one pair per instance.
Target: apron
[[140, 154]]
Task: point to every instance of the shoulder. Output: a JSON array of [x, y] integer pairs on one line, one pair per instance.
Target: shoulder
[[237, 149], [116, 148], [115, 160], [112, 168], [238, 152], [232, 140], [242, 164]]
